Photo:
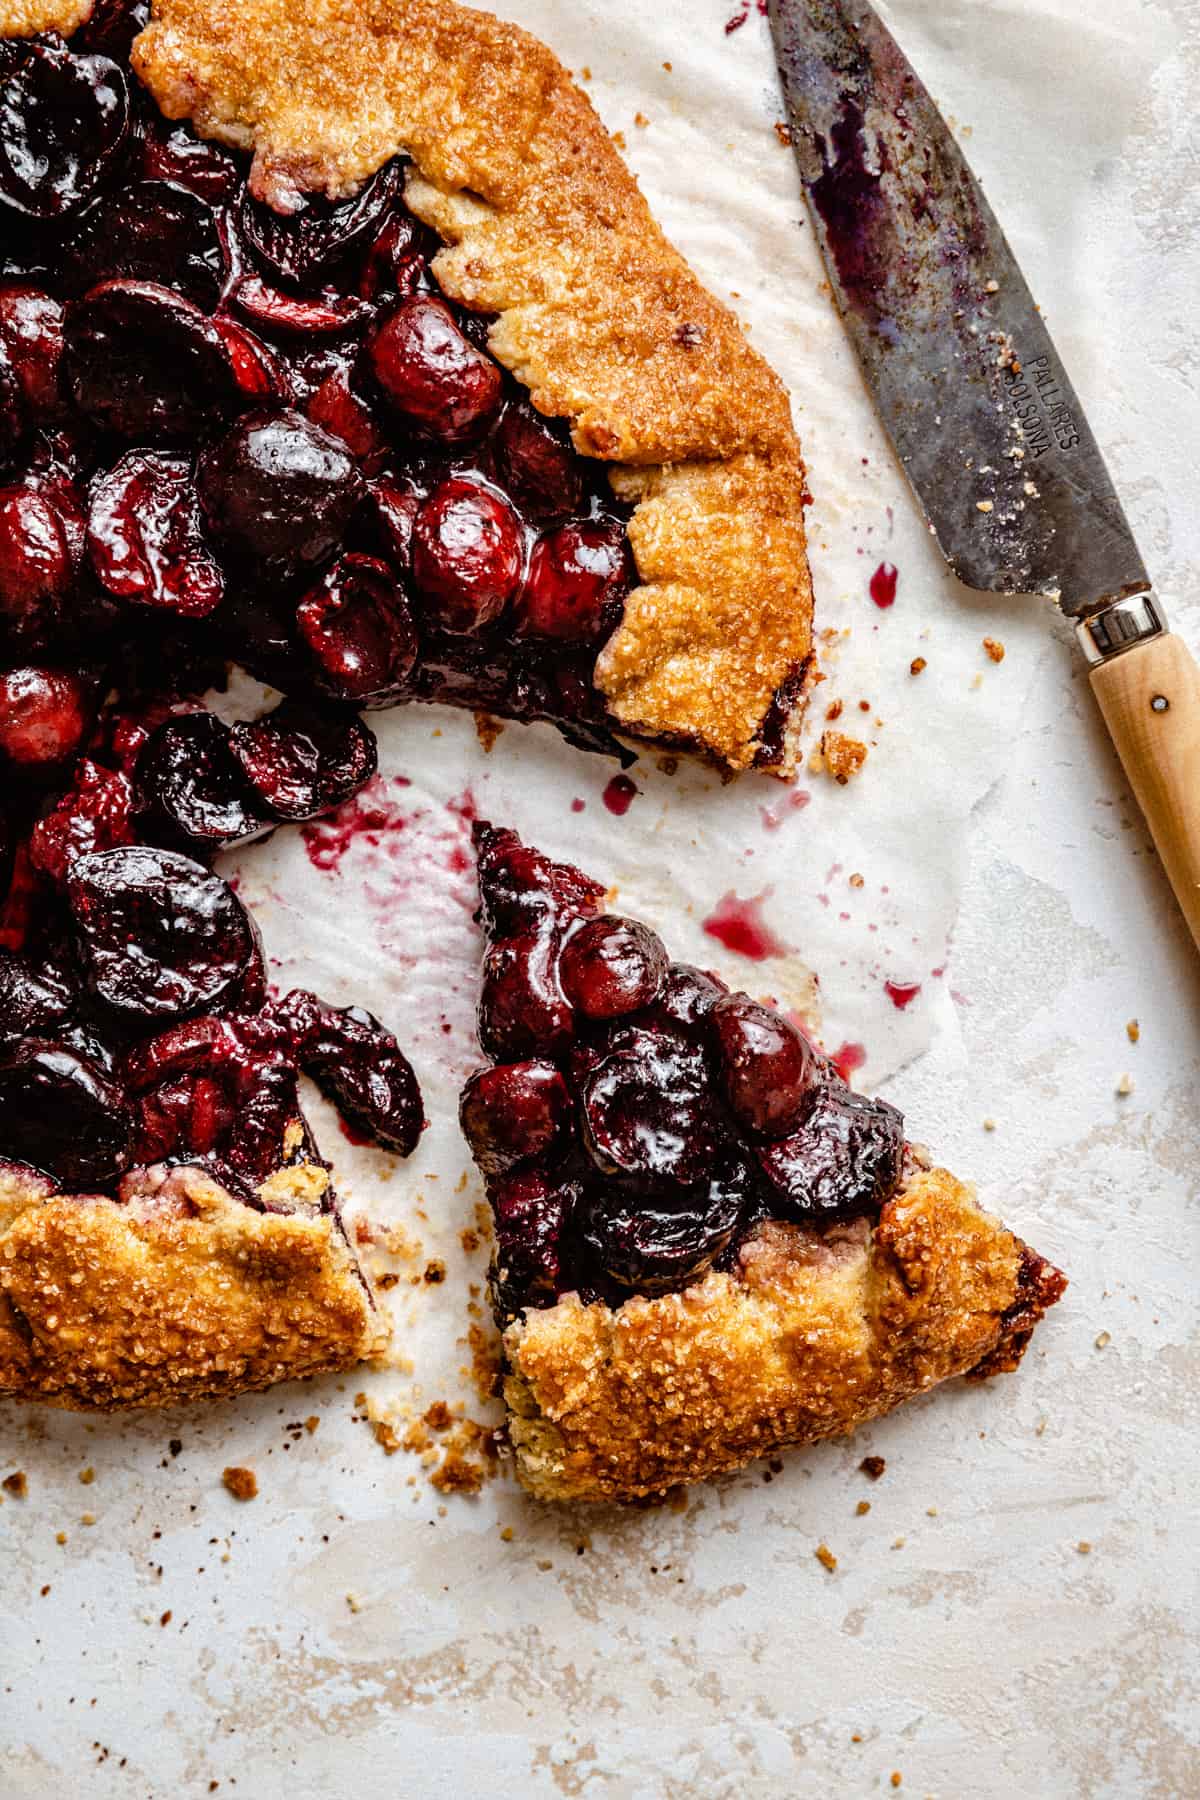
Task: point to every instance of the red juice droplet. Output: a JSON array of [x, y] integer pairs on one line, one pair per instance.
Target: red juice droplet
[[883, 585], [849, 1058], [577, 805], [620, 795], [901, 993], [353, 1134], [740, 926]]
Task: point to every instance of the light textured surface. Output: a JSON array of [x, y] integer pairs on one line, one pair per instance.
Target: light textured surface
[[707, 1651]]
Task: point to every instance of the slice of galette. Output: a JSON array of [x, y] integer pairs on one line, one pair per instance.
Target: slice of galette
[[708, 1246], [168, 1228]]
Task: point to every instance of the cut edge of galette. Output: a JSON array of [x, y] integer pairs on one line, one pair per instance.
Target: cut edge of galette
[[708, 1246]]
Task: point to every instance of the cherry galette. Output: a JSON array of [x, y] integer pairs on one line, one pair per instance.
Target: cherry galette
[[707, 1244]]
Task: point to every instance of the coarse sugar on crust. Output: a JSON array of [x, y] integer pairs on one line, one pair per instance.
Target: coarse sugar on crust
[[27, 18], [810, 1337], [177, 1293], [596, 314]]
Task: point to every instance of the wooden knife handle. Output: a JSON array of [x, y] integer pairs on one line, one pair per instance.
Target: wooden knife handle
[[1150, 698]]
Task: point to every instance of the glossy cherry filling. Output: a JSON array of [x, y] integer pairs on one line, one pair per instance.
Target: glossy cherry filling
[[268, 434], [637, 1119]]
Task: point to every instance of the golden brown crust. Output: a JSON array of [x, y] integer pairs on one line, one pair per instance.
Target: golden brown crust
[[179, 1293], [26, 18], [807, 1339], [597, 315]]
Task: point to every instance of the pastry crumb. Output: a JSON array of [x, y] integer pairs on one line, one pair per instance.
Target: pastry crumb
[[994, 648], [783, 133], [354, 1603], [1133, 1031], [640, 120], [87, 1476], [989, 1124], [917, 665], [856, 881], [873, 1466], [1104, 1340], [506, 1534], [311, 1423], [834, 709], [984, 506], [896, 1778], [825, 1557], [487, 730], [862, 1509], [841, 756], [87, 1518], [1084, 1547], [435, 1271], [1125, 1085], [241, 1483], [16, 1484]]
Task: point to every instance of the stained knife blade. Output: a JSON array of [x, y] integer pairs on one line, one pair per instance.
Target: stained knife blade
[[974, 395], [967, 380]]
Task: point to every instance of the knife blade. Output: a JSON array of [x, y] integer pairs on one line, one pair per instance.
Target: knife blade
[[974, 395]]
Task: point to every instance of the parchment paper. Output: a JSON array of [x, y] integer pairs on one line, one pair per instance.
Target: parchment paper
[[355, 1631]]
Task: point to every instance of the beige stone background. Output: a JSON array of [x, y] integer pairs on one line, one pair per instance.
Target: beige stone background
[[353, 1631]]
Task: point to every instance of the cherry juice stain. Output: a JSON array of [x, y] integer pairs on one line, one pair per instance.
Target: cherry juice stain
[[620, 795], [901, 993], [738, 19], [740, 926], [773, 816], [847, 1059], [371, 814], [883, 585]]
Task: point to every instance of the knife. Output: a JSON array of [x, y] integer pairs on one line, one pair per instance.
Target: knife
[[974, 395]]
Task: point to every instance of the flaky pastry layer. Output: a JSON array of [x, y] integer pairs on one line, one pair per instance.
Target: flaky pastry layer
[[597, 315], [810, 1337], [179, 1293]]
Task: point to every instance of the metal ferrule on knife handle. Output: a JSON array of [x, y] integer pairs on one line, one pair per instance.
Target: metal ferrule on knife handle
[[974, 395]]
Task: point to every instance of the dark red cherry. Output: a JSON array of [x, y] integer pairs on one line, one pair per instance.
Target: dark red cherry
[[158, 935], [278, 488], [398, 259], [33, 1001], [14, 418], [190, 789], [395, 503], [60, 1113], [146, 231], [538, 468], [62, 120], [259, 373], [300, 762], [512, 1113], [648, 1112], [654, 1247], [144, 362], [45, 714], [112, 25], [467, 555], [173, 153], [844, 1161], [273, 310], [612, 966], [187, 1116], [306, 247], [145, 539], [432, 373], [338, 409], [31, 336], [578, 578], [769, 1071], [688, 995], [533, 1214], [96, 814], [520, 888], [522, 1011], [40, 536], [357, 623], [358, 1064]]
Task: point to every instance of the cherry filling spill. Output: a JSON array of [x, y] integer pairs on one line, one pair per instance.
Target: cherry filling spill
[[638, 1120]]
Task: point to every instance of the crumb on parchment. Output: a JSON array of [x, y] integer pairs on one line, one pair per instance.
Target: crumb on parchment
[[862, 1509], [994, 648], [839, 756], [241, 1483], [16, 1484], [1125, 1086], [917, 665], [873, 1466], [825, 1557], [1133, 1031]]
